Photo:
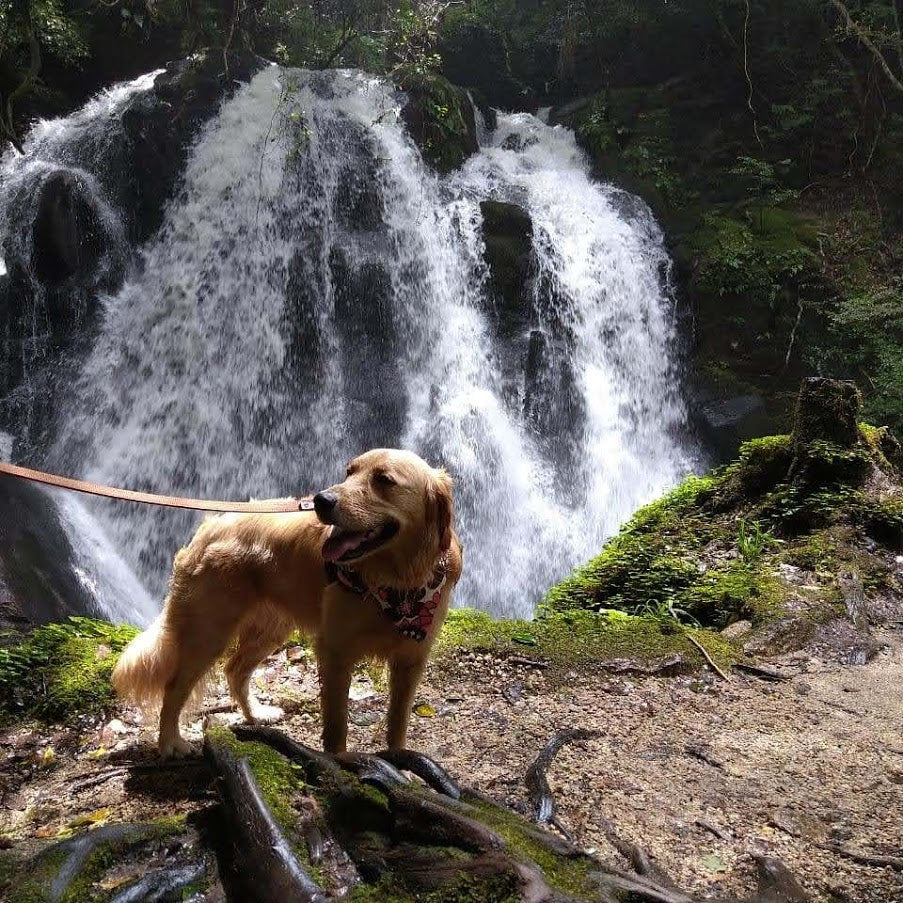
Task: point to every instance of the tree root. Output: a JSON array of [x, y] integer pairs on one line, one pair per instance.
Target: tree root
[[273, 869], [762, 673], [425, 769], [361, 825], [638, 858], [405, 840], [776, 883], [881, 862], [537, 782]]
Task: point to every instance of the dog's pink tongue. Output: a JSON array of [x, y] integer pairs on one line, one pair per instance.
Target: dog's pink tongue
[[337, 545]]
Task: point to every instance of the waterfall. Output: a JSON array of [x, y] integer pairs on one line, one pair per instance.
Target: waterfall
[[316, 290], [44, 329]]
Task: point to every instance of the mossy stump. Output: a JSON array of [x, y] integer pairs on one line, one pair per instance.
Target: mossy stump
[[827, 410]]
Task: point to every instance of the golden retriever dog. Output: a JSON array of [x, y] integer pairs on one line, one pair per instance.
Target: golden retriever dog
[[369, 574]]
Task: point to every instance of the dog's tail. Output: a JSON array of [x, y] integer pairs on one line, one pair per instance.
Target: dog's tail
[[146, 665]]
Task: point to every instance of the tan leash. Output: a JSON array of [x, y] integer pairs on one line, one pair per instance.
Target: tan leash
[[274, 506]]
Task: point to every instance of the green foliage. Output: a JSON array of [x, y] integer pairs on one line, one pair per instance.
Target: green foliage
[[864, 314], [752, 540], [59, 671], [762, 266]]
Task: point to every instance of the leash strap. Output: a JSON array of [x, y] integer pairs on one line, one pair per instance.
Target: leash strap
[[277, 506]]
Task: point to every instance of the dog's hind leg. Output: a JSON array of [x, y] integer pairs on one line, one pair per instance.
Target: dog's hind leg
[[259, 634], [201, 618]]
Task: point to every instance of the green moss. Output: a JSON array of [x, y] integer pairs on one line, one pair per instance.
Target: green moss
[[760, 465], [466, 889], [572, 639], [734, 591], [837, 551], [61, 670], [279, 780], [83, 887], [648, 562], [30, 877], [883, 446], [566, 875], [439, 116], [710, 551], [882, 519]]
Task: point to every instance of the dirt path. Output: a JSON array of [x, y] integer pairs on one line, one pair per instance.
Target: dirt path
[[697, 771]]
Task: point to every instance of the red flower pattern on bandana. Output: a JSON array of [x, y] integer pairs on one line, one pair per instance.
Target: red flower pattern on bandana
[[411, 611]]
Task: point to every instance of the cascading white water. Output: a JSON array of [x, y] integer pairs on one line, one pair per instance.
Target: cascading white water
[[316, 290], [76, 144]]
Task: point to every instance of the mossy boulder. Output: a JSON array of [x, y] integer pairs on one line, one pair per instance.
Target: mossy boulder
[[59, 672], [439, 117], [715, 549]]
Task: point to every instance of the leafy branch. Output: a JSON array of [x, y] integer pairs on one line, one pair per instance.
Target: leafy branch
[[862, 34]]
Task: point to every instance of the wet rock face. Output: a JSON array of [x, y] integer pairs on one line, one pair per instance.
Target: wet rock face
[[508, 240], [364, 315], [161, 124], [77, 216], [68, 235], [533, 342], [38, 582], [726, 423]]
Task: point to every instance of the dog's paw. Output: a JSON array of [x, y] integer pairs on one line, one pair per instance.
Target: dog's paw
[[265, 714], [175, 748]]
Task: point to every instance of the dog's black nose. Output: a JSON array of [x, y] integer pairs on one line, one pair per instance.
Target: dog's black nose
[[324, 502]]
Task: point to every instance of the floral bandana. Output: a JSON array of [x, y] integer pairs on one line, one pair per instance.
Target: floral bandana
[[410, 610]]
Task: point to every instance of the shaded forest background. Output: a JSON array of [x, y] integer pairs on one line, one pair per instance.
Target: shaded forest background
[[766, 134]]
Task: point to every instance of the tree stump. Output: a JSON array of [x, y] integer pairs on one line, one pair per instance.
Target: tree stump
[[827, 410]]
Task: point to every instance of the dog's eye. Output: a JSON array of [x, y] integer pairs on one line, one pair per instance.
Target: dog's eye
[[383, 479]]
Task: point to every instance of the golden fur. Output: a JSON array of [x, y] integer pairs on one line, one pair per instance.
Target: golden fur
[[254, 578]]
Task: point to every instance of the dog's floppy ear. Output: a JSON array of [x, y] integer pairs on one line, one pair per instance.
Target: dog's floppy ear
[[440, 494]]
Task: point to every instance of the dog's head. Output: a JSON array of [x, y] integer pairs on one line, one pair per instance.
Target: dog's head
[[390, 503]]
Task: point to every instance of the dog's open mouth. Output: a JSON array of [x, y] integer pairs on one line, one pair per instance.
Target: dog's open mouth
[[346, 545]]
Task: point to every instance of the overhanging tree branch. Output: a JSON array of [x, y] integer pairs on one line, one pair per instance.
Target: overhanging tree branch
[[862, 35]]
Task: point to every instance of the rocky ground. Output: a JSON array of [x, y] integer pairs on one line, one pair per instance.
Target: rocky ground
[[698, 771]]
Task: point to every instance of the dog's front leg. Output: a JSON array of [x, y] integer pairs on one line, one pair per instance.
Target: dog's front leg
[[404, 678], [335, 681]]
